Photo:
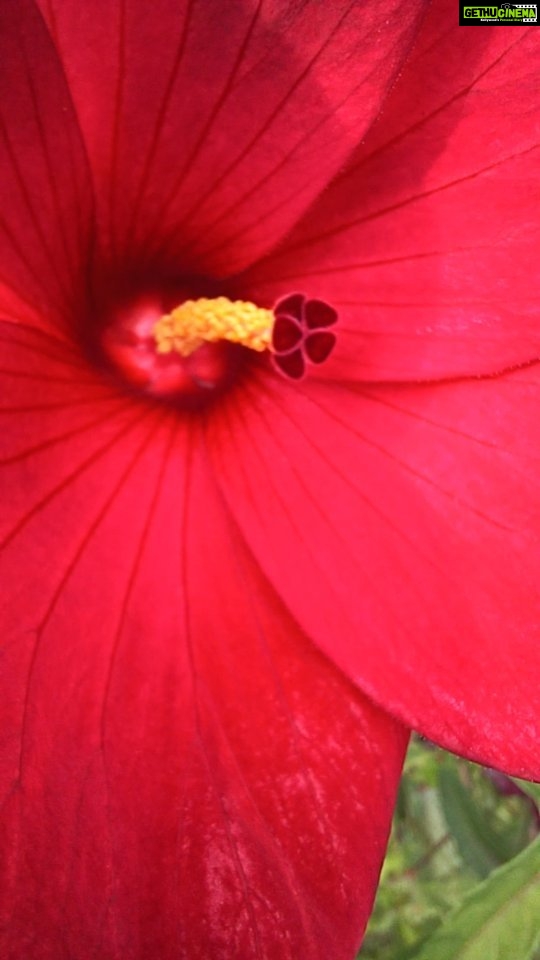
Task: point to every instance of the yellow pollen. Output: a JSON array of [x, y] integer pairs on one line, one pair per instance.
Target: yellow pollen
[[195, 322]]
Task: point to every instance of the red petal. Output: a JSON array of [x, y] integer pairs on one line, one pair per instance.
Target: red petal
[[45, 197], [319, 346], [400, 526], [286, 334], [428, 244], [182, 774], [290, 364], [211, 127]]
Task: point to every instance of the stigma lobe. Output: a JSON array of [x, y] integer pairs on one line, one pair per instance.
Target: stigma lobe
[[300, 334]]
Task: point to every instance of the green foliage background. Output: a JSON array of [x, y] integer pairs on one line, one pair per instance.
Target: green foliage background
[[461, 880]]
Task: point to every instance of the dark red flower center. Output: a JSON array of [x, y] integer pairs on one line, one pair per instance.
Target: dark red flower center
[[130, 348]]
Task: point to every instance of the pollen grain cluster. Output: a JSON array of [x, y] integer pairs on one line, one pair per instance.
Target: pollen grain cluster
[[206, 320]]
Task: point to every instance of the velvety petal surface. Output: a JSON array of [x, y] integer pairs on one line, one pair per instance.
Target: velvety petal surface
[[428, 244], [183, 775], [212, 126], [401, 527], [45, 193]]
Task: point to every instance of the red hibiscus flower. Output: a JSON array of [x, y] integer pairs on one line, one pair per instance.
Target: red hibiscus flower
[[228, 588]]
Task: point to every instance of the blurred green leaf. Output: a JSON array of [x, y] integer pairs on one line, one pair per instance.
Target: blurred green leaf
[[479, 845], [531, 789], [499, 919], [427, 873]]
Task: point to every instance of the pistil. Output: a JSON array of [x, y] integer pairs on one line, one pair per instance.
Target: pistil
[[295, 332], [198, 349]]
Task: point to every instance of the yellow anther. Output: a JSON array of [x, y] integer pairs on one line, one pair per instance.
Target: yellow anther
[[198, 321]]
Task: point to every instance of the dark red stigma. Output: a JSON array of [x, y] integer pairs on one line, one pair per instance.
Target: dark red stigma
[[300, 334]]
